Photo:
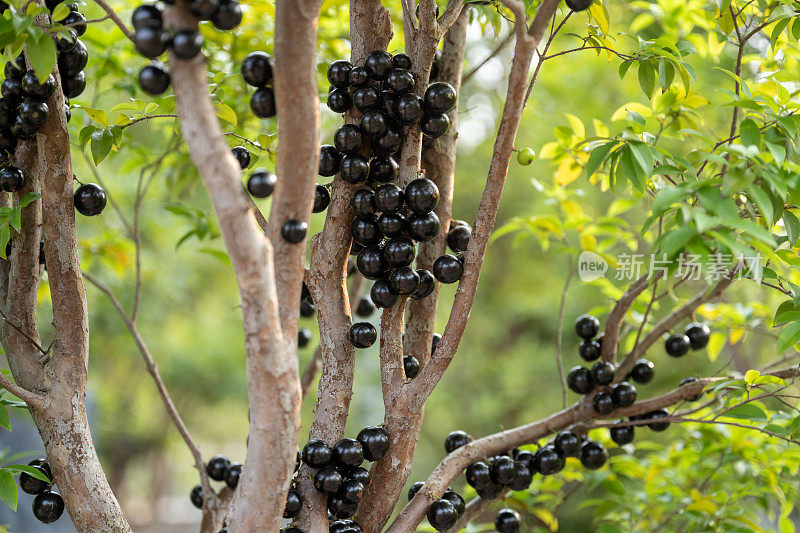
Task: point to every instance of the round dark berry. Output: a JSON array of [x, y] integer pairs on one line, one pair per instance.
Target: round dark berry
[[567, 444], [154, 78], [359, 474], [262, 103], [657, 426], [698, 335], [427, 283], [603, 372], [507, 521], [593, 455], [293, 504], [456, 440], [363, 202], [90, 199], [587, 327], [623, 394], [150, 42], [74, 61], [411, 366], [580, 380], [382, 294], [348, 139], [11, 179], [32, 485], [365, 308], [401, 60], [435, 126], [390, 142], [187, 43], [399, 252], [442, 515], [359, 76], [366, 98], [383, 169], [365, 230], [362, 335], [242, 156], [408, 108], [215, 468], [261, 183], [677, 345], [423, 227], [303, 337], [294, 231], [579, 5], [373, 123], [351, 491], [391, 224], [354, 168], [458, 238], [8, 112], [435, 340], [329, 160], [11, 89], [257, 69], [457, 501], [32, 88], [374, 441], [307, 309], [448, 269], [440, 97], [589, 350], [322, 199], [389, 198], [400, 81], [316, 454], [371, 264], [76, 22], [685, 381], [147, 15], [622, 435], [15, 68], [503, 470], [642, 371], [602, 403], [48, 507], [73, 86], [339, 101], [232, 474], [227, 16], [196, 496], [347, 453], [478, 475], [404, 280], [327, 480], [378, 64], [547, 461], [8, 143], [491, 492], [339, 73], [422, 195]]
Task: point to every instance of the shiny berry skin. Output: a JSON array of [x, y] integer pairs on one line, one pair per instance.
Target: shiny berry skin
[[347, 453], [400, 81], [339, 73], [362, 335], [603, 372], [547, 461], [316, 454], [448, 269], [399, 252], [391, 224], [303, 337], [187, 44], [587, 327], [593, 455], [11, 179], [329, 160], [22, 130], [383, 169], [458, 238], [457, 501], [339, 101], [414, 489], [365, 308], [390, 143], [11, 89], [442, 515], [15, 68], [232, 474], [389, 198], [378, 64], [359, 76], [698, 335], [32, 485], [422, 195], [354, 168], [408, 108], [580, 380], [507, 521], [262, 103], [322, 199], [48, 507], [150, 15], [374, 441], [423, 227], [90, 199], [478, 475], [366, 98], [362, 203], [327, 480], [38, 91], [411, 366], [215, 468], [294, 231], [293, 504], [257, 69], [623, 394], [677, 345], [374, 124], [435, 126], [404, 280], [261, 183], [579, 5], [427, 283], [642, 371], [196, 496], [154, 78], [8, 112], [589, 350], [435, 340], [351, 491], [372, 265], [401, 60], [74, 61], [685, 381], [307, 309], [440, 97], [150, 42], [76, 21], [227, 16], [602, 403], [456, 440], [348, 139], [242, 156], [365, 230], [657, 426], [359, 474], [622, 435], [503, 470], [567, 444]]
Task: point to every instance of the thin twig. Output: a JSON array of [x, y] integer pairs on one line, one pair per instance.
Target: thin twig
[[113, 15], [500, 47], [559, 336], [23, 333], [31, 398]]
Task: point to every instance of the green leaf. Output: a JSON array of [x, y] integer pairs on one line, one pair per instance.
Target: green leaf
[[226, 113], [97, 115], [5, 419], [792, 225], [647, 78], [788, 337], [643, 156], [747, 411], [751, 375], [30, 197], [749, 133], [42, 55], [31, 471], [8, 489], [666, 74], [598, 156], [764, 203], [102, 141], [60, 12]]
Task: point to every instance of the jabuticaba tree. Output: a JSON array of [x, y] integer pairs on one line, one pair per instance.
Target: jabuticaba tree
[[717, 187]]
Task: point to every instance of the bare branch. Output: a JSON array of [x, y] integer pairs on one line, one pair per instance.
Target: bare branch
[[113, 16], [560, 334], [507, 40], [34, 400], [617, 315]]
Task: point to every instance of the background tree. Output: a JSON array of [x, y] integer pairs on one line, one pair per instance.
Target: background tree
[[693, 173]]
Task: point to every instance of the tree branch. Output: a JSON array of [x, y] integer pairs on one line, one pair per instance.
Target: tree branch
[[113, 16], [617, 315]]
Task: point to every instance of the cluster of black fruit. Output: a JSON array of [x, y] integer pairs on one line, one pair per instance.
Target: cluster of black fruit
[[48, 506], [152, 40], [257, 70], [583, 380], [511, 471], [218, 468]]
